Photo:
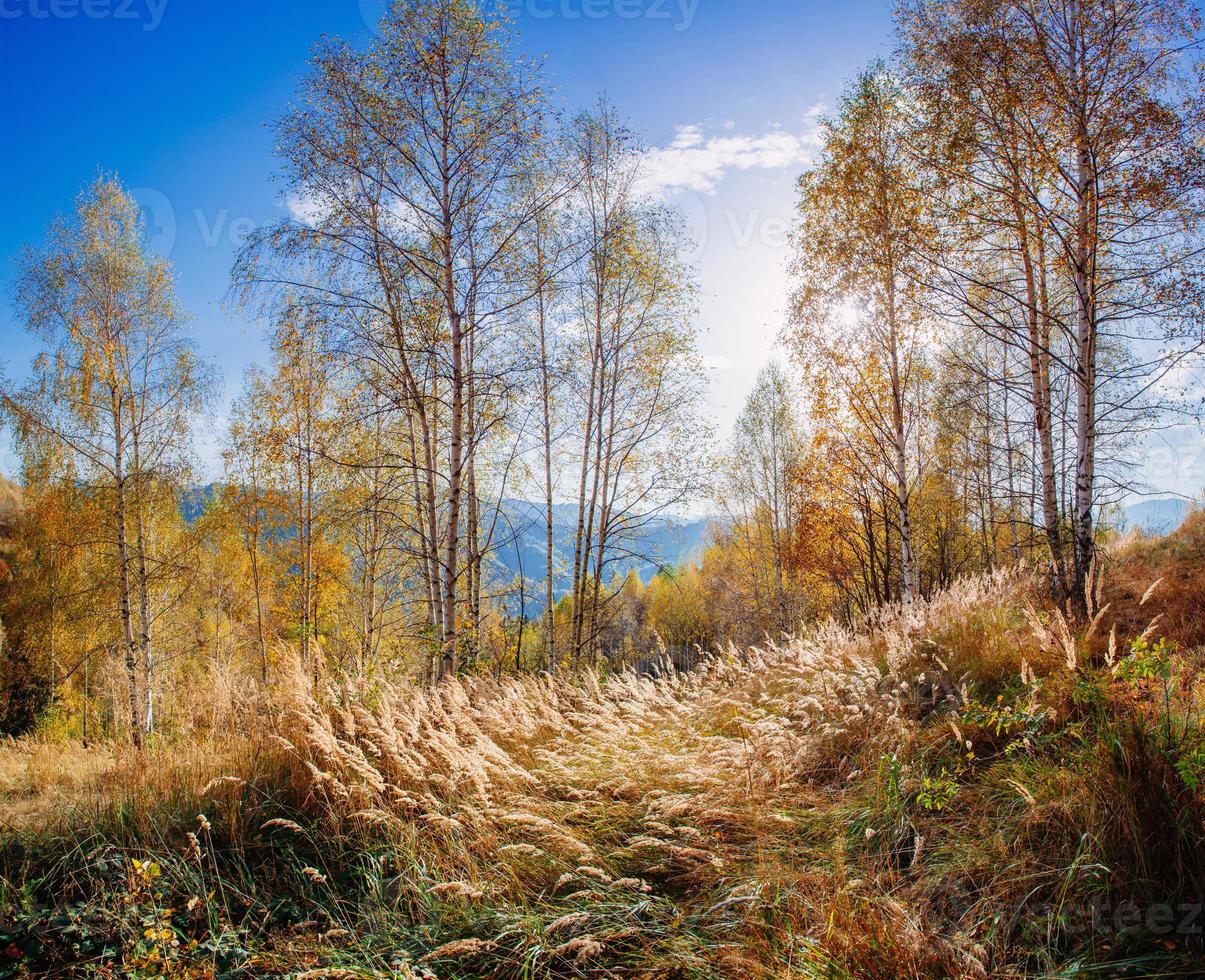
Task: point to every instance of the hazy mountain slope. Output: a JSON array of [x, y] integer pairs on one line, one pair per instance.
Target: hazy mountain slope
[[1158, 516], [519, 549]]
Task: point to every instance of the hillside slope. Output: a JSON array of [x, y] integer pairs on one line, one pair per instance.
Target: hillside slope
[[1158, 517], [10, 501], [519, 545], [960, 791]]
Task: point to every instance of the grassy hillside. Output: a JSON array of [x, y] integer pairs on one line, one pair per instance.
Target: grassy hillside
[[967, 788], [10, 501], [10, 505]]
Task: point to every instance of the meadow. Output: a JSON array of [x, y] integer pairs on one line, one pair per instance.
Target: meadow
[[963, 787], [682, 545]]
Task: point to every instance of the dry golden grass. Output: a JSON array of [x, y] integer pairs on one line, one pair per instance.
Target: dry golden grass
[[40, 778], [687, 753], [47, 784], [1177, 564], [694, 784], [758, 816], [10, 500]]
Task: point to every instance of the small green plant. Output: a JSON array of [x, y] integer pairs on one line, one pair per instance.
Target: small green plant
[[1146, 663], [153, 946], [937, 792], [1088, 692], [891, 779], [1191, 766], [1018, 723]]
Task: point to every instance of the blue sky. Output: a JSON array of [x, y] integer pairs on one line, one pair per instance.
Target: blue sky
[[176, 95]]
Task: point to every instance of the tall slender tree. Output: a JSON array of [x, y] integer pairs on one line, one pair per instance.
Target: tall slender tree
[[857, 310], [112, 395], [408, 156]]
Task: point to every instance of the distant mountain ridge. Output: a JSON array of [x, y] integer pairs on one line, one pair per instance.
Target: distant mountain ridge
[[1160, 516], [520, 546]]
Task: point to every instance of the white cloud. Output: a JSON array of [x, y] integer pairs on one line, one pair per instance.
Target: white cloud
[[311, 207], [696, 161], [1186, 380], [304, 207], [717, 362]]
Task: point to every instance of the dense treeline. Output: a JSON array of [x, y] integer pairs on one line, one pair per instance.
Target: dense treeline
[[996, 285], [998, 260], [475, 302], [997, 292]]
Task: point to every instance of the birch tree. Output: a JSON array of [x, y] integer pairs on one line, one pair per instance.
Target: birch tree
[[1079, 144], [767, 450], [857, 317], [408, 157], [113, 395], [638, 377]]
